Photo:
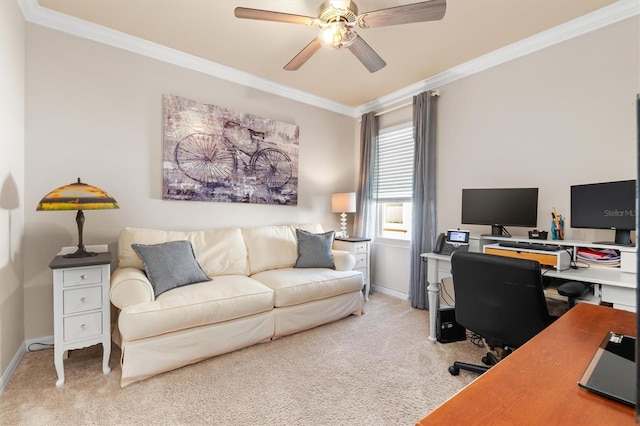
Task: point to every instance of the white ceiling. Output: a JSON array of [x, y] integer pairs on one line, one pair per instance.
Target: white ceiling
[[473, 34]]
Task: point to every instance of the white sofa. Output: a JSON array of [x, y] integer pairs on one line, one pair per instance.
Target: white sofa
[[255, 294]]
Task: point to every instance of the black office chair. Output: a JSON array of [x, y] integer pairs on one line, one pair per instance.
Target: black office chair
[[499, 298]]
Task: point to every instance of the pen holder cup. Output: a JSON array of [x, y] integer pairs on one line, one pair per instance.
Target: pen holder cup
[[557, 234]]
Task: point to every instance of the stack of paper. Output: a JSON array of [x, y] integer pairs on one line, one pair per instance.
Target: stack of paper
[[599, 257]]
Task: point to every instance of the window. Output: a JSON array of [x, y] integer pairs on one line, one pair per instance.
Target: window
[[393, 178]]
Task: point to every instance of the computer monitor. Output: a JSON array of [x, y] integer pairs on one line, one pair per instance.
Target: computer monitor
[[606, 205], [500, 207]]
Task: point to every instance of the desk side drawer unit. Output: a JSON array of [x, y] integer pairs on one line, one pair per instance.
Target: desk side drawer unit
[[621, 297], [560, 260]]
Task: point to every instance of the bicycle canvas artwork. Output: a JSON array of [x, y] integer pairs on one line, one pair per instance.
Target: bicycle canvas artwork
[[212, 153]]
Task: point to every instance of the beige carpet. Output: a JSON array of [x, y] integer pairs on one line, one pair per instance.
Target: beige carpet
[[378, 369]]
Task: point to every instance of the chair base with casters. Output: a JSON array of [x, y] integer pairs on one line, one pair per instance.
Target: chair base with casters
[[574, 290], [489, 360]]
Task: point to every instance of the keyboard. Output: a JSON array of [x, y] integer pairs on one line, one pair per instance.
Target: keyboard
[[530, 246]]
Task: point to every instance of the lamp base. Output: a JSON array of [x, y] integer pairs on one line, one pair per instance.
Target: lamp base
[[343, 226], [81, 252]]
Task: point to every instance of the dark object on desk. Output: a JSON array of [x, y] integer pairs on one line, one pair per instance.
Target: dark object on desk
[[530, 246], [353, 239], [611, 372], [448, 330], [537, 234], [499, 298], [451, 242], [574, 290]]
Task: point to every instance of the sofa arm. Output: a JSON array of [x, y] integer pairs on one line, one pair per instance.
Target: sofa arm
[[130, 286], [344, 260]]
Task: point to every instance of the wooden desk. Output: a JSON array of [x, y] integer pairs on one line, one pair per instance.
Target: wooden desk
[[538, 383]]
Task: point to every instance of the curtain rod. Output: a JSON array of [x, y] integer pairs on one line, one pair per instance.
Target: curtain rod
[[406, 104]]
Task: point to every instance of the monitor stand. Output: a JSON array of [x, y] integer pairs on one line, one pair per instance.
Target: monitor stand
[[623, 238], [499, 231]]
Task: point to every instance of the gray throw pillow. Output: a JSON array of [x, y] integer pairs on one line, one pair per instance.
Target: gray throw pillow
[[170, 265], [314, 250]]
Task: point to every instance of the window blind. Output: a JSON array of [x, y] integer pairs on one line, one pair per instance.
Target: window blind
[[394, 165]]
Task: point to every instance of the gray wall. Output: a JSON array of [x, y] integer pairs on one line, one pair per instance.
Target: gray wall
[[12, 68], [95, 112], [561, 116]]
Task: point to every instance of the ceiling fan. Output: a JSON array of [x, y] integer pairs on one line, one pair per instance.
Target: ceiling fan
[[337, 20]]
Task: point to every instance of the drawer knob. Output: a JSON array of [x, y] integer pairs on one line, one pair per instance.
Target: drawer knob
[[83, 277], [83, 326], [83, 299]]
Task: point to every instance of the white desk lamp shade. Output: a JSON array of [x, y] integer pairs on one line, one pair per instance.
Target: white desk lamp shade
[[343, 203]]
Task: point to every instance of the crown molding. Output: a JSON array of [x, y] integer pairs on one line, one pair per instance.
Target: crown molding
[[39, 15], [608, 15]]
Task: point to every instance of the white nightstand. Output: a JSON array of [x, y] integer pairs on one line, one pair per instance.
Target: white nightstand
[[81, 307], [359, 247]]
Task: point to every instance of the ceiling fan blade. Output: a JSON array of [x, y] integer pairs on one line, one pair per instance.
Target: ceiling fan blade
[[366, 55], [433, 10], [268, 15], [303, 56]]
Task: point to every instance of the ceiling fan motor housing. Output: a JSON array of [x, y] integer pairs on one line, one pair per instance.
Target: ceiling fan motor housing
[[336, 10]]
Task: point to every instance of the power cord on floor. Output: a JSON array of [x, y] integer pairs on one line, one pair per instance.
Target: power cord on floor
[[44, 346], [475, 338]]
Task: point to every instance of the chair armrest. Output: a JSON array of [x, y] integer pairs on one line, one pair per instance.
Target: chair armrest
[[344, 260], [130, 286]]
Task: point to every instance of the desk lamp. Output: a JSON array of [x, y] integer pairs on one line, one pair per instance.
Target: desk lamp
[[78, 196], [343, 202]]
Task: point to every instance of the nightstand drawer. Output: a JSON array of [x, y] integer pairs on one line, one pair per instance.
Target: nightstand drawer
[[82, 299], [81, 276], [360, 247], [82, 326], [361, 260]]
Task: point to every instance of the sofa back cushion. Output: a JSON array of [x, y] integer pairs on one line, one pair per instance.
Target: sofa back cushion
[[218, 251], [274, 247]]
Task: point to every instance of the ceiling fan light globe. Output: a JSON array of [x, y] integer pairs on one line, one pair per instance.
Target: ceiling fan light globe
[[336, 35]]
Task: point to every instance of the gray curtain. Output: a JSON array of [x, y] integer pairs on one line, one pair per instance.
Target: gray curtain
[[423, 232], [364, 222]]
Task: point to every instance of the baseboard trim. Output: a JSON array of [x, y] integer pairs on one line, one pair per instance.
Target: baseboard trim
[[390, 292], [13, 365]]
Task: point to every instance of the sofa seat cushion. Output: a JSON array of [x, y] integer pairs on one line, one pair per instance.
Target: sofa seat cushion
[[294, 286], [223, 298]]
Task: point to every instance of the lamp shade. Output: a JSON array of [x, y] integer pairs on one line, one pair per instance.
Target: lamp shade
[[77, 196], [343, 202]]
